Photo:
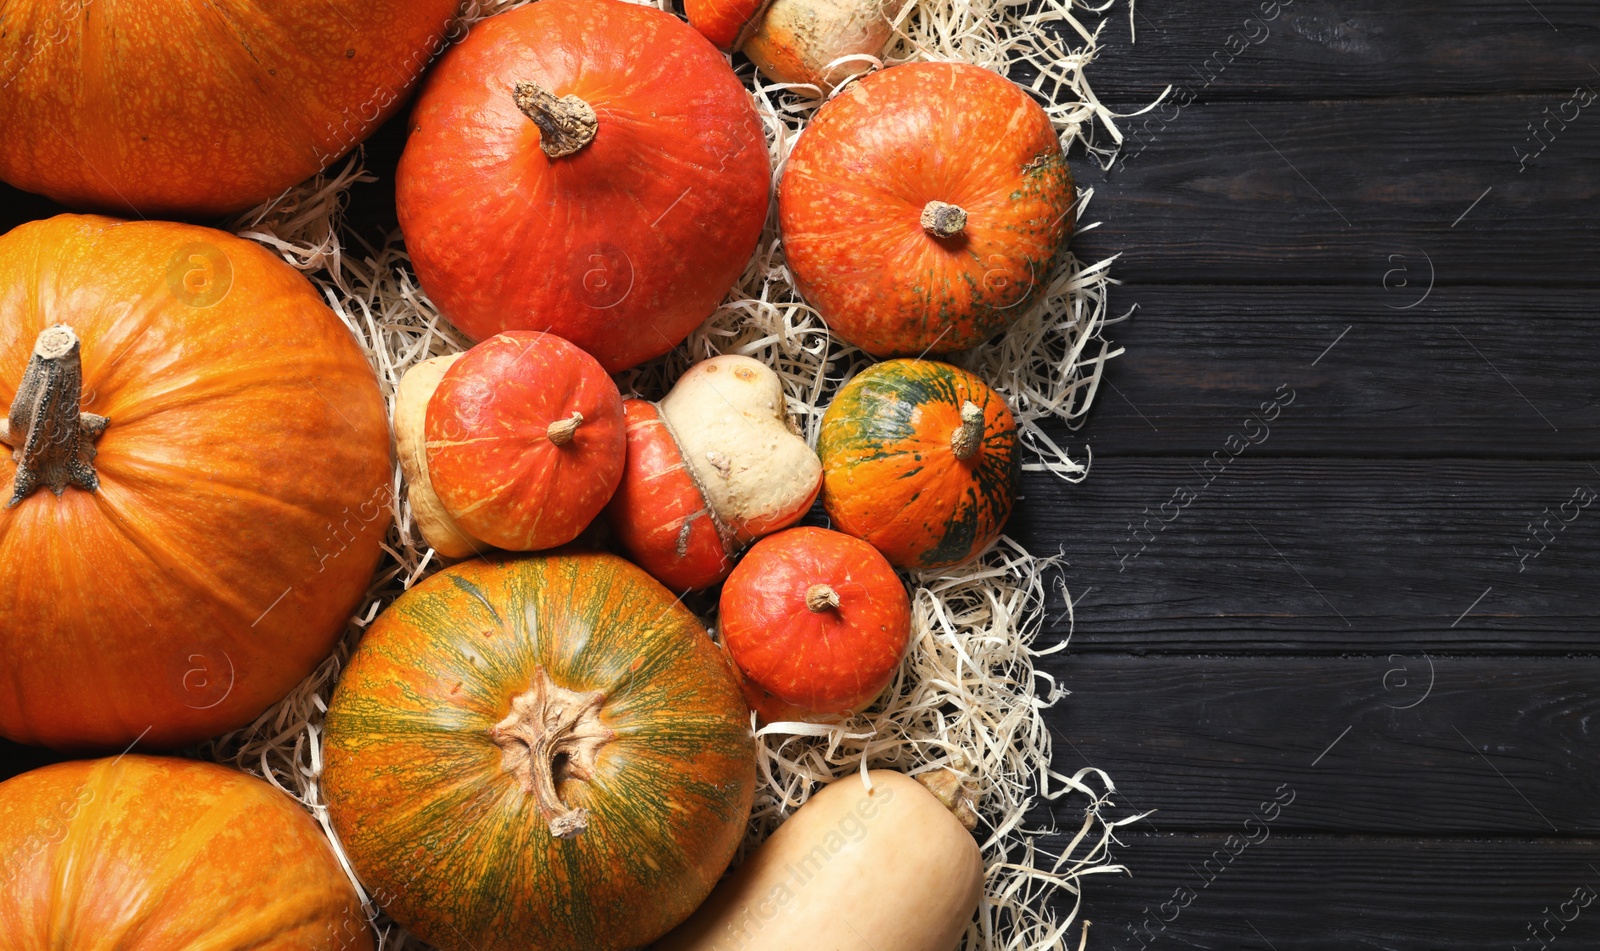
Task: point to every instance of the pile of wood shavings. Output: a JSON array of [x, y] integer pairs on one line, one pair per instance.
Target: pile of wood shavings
[[968, 695]]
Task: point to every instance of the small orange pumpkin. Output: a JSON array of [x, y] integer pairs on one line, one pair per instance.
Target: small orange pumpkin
[[920, 459], [922, 208], [817, 622], [525, 441], [147, 853]]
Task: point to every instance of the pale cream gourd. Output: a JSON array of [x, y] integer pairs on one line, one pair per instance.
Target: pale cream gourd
[[411, 397], [729, 418], [797, 40], [892, 869]]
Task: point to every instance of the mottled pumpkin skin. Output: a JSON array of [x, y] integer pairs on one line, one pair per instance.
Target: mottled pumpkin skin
[[890, 475], [800, 663], [622, 247], [157, 108], [490, 460], [143, 853], [856, 184], [659, 514], [244, 486], [449, 841], [726, 23]]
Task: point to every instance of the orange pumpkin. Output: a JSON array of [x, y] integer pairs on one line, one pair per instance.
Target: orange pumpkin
[[143, 853], [155, 108], [196, 556], [817, 622], [588, 167], [726, 23], [920, 459], [539, 752], [525, 441], [922, 208]]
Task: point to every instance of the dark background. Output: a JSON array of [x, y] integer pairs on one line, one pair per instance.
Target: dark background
[[1356, 612]]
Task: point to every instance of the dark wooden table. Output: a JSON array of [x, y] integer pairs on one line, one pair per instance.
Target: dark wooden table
[[1345, 648]]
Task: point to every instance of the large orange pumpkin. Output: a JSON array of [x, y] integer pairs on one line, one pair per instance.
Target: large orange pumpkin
[[922, 208], [172, 573], [155, 107], [920, 459], [539, 752], [143, 853], [588, 167]]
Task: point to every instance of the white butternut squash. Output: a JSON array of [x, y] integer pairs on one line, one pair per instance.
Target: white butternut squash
[[411, 397], [892, 869]]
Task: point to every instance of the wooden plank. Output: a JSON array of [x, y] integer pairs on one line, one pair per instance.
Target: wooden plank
[[1467, 371], [1322, 554], [1324, 192], [1322, 49], [1394, 743], [1290, 893]]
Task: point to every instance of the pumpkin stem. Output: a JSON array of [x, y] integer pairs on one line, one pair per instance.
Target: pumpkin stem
[[958, 795], [561, 431], [821, 597], [565, 125], [46, 426], [965, 441], [551, 735], [943, 220]]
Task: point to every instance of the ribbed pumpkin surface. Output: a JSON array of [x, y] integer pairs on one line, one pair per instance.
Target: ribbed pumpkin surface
[[891, 475], [449, 840], [143, 853]]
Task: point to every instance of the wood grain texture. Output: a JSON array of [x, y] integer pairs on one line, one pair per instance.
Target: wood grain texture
[[1322, 555], [1322, 192], [1357, 893], [1323, 49], [1398, 743], [1470, 371]]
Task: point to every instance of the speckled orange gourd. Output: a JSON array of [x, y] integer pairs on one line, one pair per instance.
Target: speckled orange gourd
[[160, 108], [920, 459], [923, 206], [143, 853], [541, 751]]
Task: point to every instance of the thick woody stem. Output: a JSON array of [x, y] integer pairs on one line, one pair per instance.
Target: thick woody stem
[[943, 220], [965, 441], [46, 427], [821, 597], [552, 734], [958, 795], [565, 125], [562, 430]]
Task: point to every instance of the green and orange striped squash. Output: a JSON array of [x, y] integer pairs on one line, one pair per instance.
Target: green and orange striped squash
[[920, 459], [539, 752], [149, 853]]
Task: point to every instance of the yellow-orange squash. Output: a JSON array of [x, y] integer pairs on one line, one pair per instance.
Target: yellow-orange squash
[[159, 107], [143, 853], [920, 459], [197, 475], [539, 752]]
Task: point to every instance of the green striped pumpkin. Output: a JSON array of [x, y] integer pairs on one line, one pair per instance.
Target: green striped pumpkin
[[920, 459], [539, 752]]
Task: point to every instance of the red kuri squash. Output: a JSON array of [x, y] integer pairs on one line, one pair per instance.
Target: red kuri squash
[[920, 459], [922, 208], [525, 441], [588, 167], [171, 573], [155, 108], [539, 752], [144, 853], [816, 621]]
